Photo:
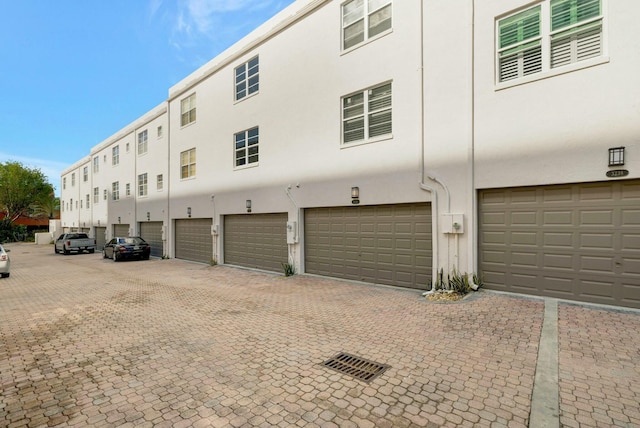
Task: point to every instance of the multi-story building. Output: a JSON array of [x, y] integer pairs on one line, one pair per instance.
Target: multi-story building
[[387, 141]]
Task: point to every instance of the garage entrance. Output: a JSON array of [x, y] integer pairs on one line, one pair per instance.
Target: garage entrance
[[578, 242], [256, 240], [383, 244], [100, 238], [120, 230], [151, 231], [193, 240]]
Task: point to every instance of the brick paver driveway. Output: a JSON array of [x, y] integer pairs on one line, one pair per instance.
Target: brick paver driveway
[[88, 342]]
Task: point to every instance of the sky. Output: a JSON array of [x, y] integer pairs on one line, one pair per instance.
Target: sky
[[75, 72]]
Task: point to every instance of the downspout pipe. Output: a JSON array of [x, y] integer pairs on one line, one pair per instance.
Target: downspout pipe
[[291, 247], [422, 184]]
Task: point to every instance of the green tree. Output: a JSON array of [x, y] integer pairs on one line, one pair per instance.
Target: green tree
[[46, 206], [20, 189]]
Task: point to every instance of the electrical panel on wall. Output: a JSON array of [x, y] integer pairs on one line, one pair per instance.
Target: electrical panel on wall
[[292, 232]]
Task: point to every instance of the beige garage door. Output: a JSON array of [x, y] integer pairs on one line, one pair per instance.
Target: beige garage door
[[151, 231], [384, 244], [193, 240], [256, 240], [100, 238], [120, 230], [579, 242]]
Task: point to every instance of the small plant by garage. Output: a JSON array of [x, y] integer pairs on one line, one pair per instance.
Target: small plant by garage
[[289, 269], [453, 287]]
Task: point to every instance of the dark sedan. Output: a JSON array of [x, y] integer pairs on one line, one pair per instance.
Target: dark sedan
[[126, 248]]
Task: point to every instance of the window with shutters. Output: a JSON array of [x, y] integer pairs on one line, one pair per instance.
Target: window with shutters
[[143, 142], [247, 78], [188, 163], [541, 40], [367, 115], [363, 20], [188, 110]]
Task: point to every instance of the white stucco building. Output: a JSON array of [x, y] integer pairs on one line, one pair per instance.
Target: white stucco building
[[384, 141]]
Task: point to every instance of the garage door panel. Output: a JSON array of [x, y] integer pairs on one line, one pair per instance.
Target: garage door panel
[[193, 240], [120, 230], [260, 240], [386, 242], [589, 232], [152, 233]]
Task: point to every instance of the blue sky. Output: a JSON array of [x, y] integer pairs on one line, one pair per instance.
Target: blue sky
[[74, 72]]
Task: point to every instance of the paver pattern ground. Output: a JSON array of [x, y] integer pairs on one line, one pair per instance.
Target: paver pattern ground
[[89, 342]]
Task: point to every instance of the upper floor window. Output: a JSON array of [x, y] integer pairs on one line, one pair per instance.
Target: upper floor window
[[96, 164], [246, 146], [88, 197], [115, 190], [96, 195], [64, 183], [71, 204], [367, 114], [364, 19], [85, 174], [127, 189], [552, 34], [115, 155], [142, 184], [188, 110], [160, 132], [104, 196], [142, 142], [188, 163], [73, 179], [247, 78], [159, 182], [127, 147]]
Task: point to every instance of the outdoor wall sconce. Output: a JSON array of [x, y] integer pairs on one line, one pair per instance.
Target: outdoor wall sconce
[[148, 216], [98, 222], [355, 195], [248, 205], [189, 212], [616, 156], [119, 220]]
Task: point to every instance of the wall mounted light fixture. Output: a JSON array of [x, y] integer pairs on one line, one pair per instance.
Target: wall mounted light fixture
[[98, 222], [355, 192], [616, 156], [189, 212], [248, 205]]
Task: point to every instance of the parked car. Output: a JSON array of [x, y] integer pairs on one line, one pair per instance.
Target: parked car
[[126, 248], [76, 242], [5, 262]]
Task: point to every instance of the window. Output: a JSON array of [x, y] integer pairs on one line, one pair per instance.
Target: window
[[247, 78], [128, 189], [142, 184], [64, 183], [188, 110], [115, 190], [552, 34], [73, 179], [246, 143], [159, 131], [96, 195], [85, 174], [159, 182], [115, 155], [81, 203], [142, 142], [104, 194], [88, 200], [96, 164], [367, 114], [188, 163], [364, 19], [127, 147], [71, 204]]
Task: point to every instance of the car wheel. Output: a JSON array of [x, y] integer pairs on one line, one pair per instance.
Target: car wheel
[[115, 256], [55, 250], [104, 254], [65, 251], [91, 251]]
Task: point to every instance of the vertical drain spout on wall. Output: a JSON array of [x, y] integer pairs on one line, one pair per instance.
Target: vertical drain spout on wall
[[291, 247]]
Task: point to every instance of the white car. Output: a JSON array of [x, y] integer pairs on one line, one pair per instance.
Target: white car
[[5, 262]]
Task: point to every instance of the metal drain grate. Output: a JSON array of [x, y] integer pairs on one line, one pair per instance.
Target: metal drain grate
[[357, 367]]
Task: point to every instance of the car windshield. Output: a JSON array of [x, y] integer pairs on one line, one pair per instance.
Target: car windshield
[[130, 241]]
